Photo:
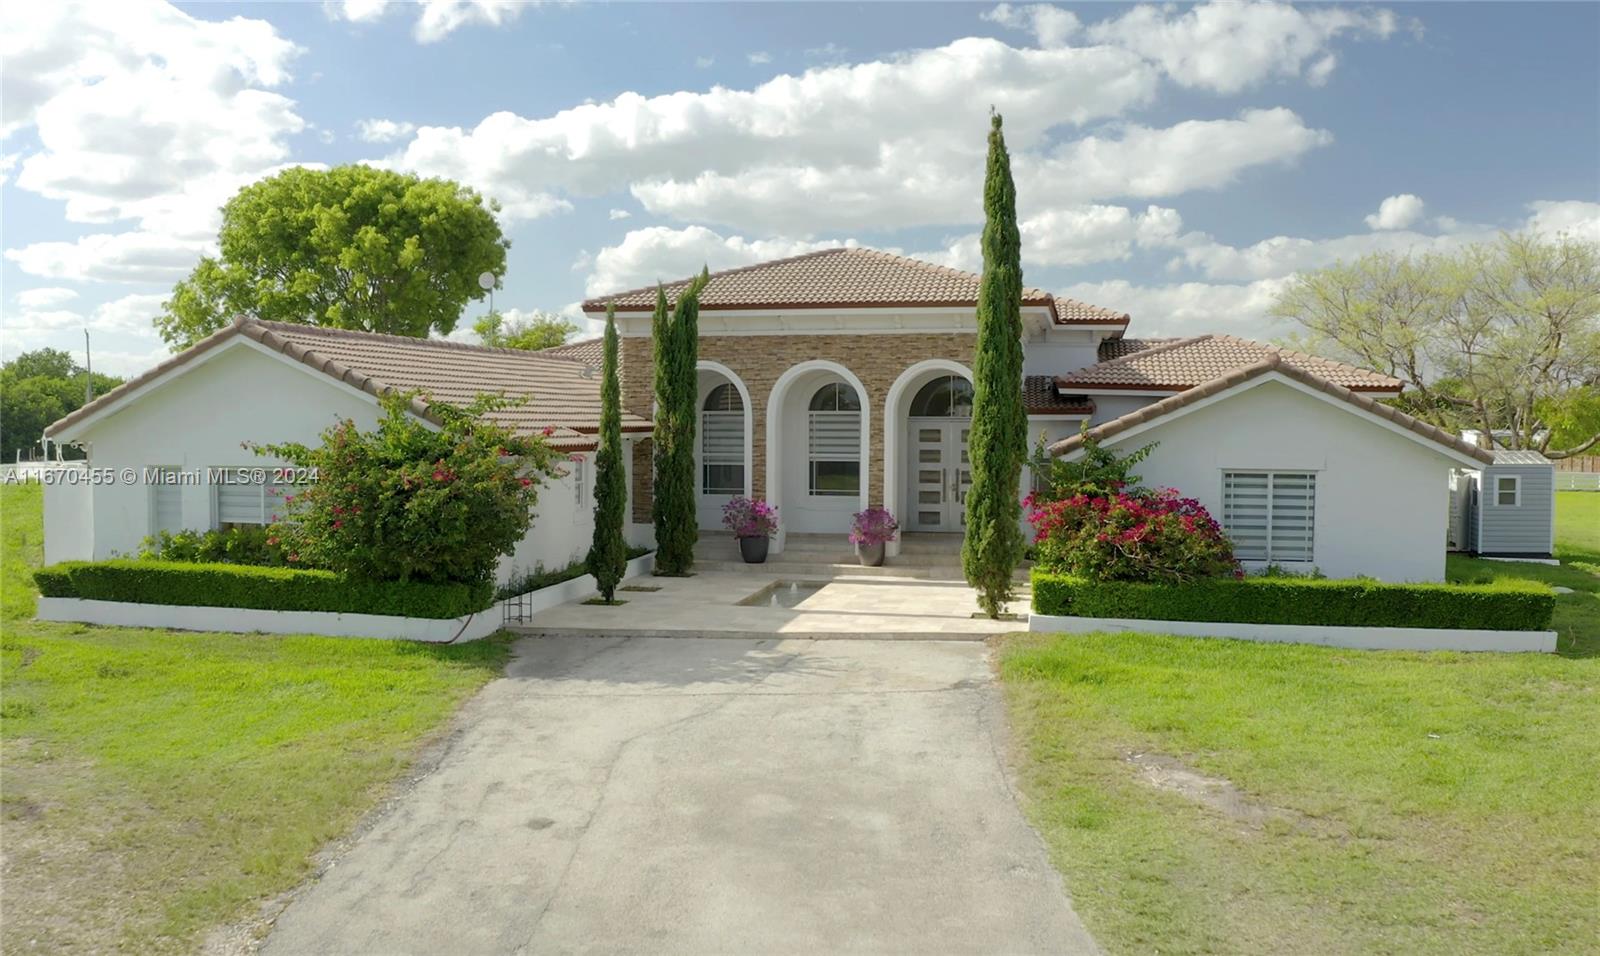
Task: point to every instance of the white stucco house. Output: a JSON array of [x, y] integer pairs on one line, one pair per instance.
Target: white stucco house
[[828, 382]]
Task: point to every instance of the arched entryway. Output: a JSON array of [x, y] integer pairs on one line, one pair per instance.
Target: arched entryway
[[928, 418], [722, 443], [818, 451]]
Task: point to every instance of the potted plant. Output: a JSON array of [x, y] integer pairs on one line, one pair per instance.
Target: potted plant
[[870, 530], [752, 521]]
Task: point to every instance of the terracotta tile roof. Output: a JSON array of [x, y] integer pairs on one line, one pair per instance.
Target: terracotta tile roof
[[1039, 397], [587, 351], [1072, 312], [1282, 363], [830, 278], [563, 394], [1117, 348], [1185, 363]]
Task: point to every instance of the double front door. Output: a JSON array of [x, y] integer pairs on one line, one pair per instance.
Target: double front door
[[940, 474]]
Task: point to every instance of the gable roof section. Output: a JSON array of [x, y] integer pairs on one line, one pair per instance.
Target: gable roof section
[[1039, 397], [1178, 364], [1276, 362], [1067, 311], [588, 351], [1119, 347], [564, 395], [827, 279]]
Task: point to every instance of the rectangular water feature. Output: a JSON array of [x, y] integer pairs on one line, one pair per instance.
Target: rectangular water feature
[[782, 594]]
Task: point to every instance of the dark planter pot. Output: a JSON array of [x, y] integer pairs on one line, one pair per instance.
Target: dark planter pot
[[872, 555], [753, 550]]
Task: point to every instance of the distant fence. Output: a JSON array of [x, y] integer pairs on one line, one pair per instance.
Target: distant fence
[[1584, 463], [34, 470], [1577, 481]]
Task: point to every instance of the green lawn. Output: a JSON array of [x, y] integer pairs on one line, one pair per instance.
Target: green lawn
[[1578, 525], [1347, 801], [155, 783]]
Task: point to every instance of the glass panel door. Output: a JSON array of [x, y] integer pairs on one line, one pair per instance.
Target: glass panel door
[[941, 475]]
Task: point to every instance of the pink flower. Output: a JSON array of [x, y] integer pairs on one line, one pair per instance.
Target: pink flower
[[547, 431], [526, 482], [338, 522]]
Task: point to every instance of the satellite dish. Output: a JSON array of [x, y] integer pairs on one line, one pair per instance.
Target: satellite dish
[[486, 281]]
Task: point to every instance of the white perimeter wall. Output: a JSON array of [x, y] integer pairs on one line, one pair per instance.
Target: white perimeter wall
[[197, 420], [1382, 499]]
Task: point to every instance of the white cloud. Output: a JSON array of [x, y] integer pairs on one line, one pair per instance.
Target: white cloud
[[661, 253], [135, 256], [704, 62], [1578, 219], [383, 130], [8, 162], [1189, 308], [758, 58], [616, 214], [1050, 25], [436, 19], [142, 112], [919, 111], [44, 298], [1074, 236], [1396, 212], [932, 182], [1228, 47], [122, 332], [131, 313], [829, 52]]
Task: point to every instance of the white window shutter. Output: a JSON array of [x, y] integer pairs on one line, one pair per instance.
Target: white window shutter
[[1270, 516]]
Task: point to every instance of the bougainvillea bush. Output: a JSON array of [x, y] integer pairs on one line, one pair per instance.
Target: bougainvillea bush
[[750, 517], [409, 502], [873, 526], [1140, 536]]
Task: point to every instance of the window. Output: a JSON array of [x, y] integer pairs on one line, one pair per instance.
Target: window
[[247, 496], [1270, 515], [580, 483], [722, 442], [948, 397], [835, 441], [1507, 491], [166, 499]]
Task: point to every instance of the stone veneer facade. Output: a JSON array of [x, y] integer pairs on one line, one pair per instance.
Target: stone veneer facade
[[759, 360]]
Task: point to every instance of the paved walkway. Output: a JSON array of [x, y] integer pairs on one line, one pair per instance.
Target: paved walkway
[[706, 796], [708, 604]]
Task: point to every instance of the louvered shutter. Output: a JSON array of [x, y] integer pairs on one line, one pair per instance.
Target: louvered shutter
[[1293, 516], [238, 502], [835, 436], [1244, 513], [166, 503]]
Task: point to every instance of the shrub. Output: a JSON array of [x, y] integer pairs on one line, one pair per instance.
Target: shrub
[[540, 578], [407, 501], [55, 581], [243, 545], [1148, 536], [146, 581], [1508, 606], [750, 517], [1097, 472], [873, 526]]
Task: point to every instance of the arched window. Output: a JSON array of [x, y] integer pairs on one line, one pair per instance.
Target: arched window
[[947, 397], [722, 442], [835, 412]]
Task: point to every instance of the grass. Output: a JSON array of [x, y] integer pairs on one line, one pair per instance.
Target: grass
[[156, 783], [1578, 526], [1346, 801]]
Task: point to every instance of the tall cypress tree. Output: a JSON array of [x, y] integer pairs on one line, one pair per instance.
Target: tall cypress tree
[[677, 346], [608, 553], [999, 438]]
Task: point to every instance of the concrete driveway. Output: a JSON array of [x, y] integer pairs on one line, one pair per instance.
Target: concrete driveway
[[701, 796]]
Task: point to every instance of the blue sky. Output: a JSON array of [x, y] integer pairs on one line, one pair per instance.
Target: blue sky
[[1178, 162]]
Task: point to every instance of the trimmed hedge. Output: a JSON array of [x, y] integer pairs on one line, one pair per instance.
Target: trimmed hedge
[[1503, 606], [270, 589]]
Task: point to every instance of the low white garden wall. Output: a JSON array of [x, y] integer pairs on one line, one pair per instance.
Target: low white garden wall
[[1363, 638], [180, 617], [526, 605]]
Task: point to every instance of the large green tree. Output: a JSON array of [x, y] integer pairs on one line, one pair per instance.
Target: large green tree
[[608, 552], [37, 388], [676, 343], [351, 247], [1503, 337], [541, 330], [998, 441]]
